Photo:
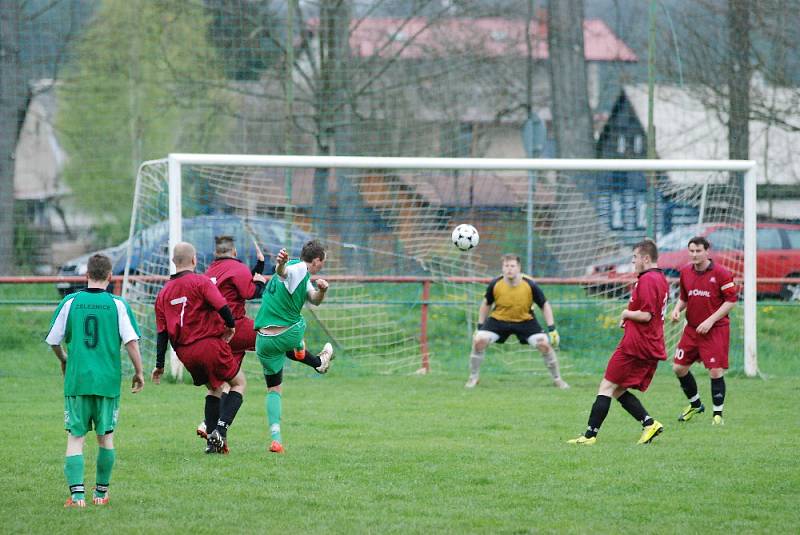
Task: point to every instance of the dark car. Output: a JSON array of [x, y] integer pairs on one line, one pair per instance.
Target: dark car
[[777, 256], [151, 245]]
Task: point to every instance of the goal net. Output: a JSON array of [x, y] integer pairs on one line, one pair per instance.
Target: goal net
[[402, 296]]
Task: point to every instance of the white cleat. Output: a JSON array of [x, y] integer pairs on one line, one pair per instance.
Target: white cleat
[[472, 382], [325, 356], [560, 383]]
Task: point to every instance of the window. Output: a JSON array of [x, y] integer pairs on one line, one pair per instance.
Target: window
[[621, 144], [638, 145], [617, 221], [794, 238], [641, 212], [768, 238], [725, 239]]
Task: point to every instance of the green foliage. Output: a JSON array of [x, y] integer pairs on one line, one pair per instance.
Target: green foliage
[[142, 84]]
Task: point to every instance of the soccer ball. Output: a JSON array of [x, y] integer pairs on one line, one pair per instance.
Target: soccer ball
[[465, 237]]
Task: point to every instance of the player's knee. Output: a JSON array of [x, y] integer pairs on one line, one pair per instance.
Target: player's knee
[[106, 441], [679, 370], [479, 343], [716, 373], [543, 346], [274, 381]]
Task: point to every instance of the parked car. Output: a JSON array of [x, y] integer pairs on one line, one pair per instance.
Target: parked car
[[778, 256], [152, 243]]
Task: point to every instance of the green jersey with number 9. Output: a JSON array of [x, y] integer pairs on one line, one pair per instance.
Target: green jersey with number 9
[[92, 323]]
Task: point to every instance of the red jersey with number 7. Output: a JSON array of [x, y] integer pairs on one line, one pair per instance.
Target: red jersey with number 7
[[186, 307], [646, 340], [705, 291]]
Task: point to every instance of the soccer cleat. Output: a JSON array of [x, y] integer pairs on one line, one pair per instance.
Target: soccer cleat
[[99, 500], [325, 356], [583, 441], [276, 447], [201, 430], [74, 503], [472, 382], [717, 420], [216, 443], [560, 383], [689, 412], [650, 432]]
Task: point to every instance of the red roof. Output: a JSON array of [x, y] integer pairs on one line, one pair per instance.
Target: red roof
[[418, 37]]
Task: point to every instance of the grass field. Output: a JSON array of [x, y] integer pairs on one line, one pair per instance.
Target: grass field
[[406, 454]]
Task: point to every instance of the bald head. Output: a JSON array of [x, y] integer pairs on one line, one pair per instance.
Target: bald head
[[184, 256]]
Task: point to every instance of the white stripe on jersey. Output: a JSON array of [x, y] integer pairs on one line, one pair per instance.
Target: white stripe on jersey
[[126, 330], [59, 329], [294, 276]]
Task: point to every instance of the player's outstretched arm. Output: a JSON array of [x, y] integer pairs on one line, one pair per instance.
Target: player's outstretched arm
[[137, 382], [62, 357], [317, 296], [280, 263], [483, 313]]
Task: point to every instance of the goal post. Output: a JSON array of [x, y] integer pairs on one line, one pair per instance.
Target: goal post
[[411, 200]]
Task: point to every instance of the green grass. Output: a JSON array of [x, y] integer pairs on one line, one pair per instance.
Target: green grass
[[400, 454]]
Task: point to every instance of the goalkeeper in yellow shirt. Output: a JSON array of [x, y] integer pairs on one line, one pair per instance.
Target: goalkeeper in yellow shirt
[[506, 309]]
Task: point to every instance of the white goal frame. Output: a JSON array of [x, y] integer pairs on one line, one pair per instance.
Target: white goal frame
[[176, 161]]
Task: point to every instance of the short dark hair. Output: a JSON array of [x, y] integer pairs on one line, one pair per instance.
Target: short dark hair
[[508, 257], [223, 245], [99, 267], [311, 250], [699, 240], [648, 247]]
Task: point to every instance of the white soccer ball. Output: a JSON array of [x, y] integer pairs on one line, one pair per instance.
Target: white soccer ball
[[465, 237]]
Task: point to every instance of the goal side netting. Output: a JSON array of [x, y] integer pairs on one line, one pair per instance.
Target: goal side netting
[[386, 225]]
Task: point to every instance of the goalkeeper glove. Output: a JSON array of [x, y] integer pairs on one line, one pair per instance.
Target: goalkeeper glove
[[552, 333]]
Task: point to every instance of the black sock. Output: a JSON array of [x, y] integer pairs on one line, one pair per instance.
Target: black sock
[[718, 394], [689, 386], [308, 359], [212, 412], [597, 415], [228, 412], [635, 408]]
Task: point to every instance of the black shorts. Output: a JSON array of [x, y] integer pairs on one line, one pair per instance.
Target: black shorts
[[522, 329]]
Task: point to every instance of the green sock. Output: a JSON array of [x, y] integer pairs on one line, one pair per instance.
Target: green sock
[[105, 463], [274, 415], [73, 470]]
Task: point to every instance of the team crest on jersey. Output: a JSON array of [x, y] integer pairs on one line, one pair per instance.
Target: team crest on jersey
[[213, 280], [713, 279]]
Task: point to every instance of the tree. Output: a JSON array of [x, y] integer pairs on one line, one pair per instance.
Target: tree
[[12, 113], [142, 85]]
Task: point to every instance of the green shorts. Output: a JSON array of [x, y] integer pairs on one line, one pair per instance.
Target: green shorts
[[81, 413], [271, 350]]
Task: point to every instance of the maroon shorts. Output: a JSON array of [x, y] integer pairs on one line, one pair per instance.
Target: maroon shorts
[[244, 339], [629, 371], [711, 348], [210, 361]]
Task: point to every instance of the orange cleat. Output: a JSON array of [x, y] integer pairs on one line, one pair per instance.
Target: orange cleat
[[74, 503], [276, 447]]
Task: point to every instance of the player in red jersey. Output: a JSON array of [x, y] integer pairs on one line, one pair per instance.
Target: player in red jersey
[[194, 317], [642, 347], [237, 284], [708, 293]]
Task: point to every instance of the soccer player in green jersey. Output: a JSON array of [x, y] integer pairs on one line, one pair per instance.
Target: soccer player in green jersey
[[92, 322], [281, 326]]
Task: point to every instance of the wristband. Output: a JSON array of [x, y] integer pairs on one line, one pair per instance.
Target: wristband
[[551, 328]]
